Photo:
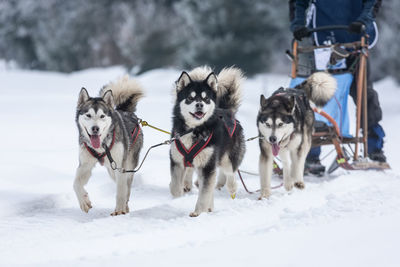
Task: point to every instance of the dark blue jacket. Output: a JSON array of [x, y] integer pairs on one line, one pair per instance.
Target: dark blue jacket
[[336, 12]]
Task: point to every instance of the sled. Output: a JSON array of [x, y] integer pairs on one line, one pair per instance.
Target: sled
[[332, 123]]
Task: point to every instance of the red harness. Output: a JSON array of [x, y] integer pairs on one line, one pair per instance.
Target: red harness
[[230, 127], [135, 134], [97, 155], [189, 155]]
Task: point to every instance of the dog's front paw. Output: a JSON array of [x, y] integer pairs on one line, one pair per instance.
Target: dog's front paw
[[120, 211], [288, 185], [264, 194], [85, 203], [198, 211], [299, 185], [194, 214], [115, 213]]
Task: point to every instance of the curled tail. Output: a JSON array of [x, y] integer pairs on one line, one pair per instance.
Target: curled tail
[[126, 93], [229, 88], [320, 87]]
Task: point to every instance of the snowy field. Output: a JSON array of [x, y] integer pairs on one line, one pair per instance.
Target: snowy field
[[345, 219]]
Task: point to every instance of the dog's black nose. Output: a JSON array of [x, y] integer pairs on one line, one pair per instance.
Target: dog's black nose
[[95, 129], [199, 105], [272, 139]]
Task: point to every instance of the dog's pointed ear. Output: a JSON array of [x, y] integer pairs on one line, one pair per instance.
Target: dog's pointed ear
[[183, 81], [263, 101], [83, 96], [109, 98], [211, 81], [291, 105]]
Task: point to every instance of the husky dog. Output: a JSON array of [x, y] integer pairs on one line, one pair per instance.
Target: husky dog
[[285, 124], [207, 134], [108, 122]]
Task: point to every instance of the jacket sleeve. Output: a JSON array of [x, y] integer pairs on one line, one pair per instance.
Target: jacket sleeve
[[298, 14], [369, 11], [377, 6]]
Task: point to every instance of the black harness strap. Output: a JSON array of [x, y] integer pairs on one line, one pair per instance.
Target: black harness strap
[[97, 155], [301, 101], [189, 155]]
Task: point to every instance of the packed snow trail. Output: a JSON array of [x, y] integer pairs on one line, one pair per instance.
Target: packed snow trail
[[345, 219]]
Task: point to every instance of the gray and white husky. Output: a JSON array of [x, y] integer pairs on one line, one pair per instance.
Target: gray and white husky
[[208, 134], [285, 124], [109, 122]]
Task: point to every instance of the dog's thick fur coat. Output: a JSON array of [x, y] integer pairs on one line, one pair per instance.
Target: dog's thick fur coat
[[109, 120], [285, 123], [205, 104]]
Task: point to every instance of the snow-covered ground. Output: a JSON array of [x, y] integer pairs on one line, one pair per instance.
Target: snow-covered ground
[[346, 219]]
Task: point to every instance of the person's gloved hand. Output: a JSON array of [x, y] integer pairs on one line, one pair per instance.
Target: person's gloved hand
[[301, 32], [356, 27]]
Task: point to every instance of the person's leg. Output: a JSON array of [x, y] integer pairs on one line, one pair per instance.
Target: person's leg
[[313, 164], [375, 143], [314, 153], [375, 130]]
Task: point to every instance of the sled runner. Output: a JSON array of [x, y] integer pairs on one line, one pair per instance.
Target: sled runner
[[332, 125]]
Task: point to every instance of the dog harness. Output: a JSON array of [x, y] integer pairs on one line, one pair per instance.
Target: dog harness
[[135, 134], [97, 155], [100, 156], [189, 155], [229, 121], [301, 100]]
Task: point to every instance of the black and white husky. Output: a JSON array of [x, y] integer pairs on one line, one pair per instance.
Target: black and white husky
[[109, 122], [285, 124], [208, 135]]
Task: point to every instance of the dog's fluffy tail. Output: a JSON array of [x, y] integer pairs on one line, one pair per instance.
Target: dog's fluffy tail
[[229, 88], [319, 87], [126, 93]]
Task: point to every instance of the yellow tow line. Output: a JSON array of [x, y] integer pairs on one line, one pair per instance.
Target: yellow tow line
[[145, 123]]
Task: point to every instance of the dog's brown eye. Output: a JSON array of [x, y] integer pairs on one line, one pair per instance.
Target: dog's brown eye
[[267, 124], [190, 98], [280, 124], [102, 116], [88, 115]]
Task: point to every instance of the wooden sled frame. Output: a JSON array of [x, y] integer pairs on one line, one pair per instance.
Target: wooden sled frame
[[332, 136]]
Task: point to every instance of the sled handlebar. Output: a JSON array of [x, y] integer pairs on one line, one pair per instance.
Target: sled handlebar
[[333, 27]]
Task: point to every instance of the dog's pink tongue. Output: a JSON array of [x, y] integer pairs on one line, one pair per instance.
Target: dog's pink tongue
[[199, 114], [95, 141], [275, 149]]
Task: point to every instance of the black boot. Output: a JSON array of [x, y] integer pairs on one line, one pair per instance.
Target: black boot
[[315, 167], [377, 156]]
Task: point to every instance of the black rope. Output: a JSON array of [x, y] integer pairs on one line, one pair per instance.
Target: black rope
[[122, 170]]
